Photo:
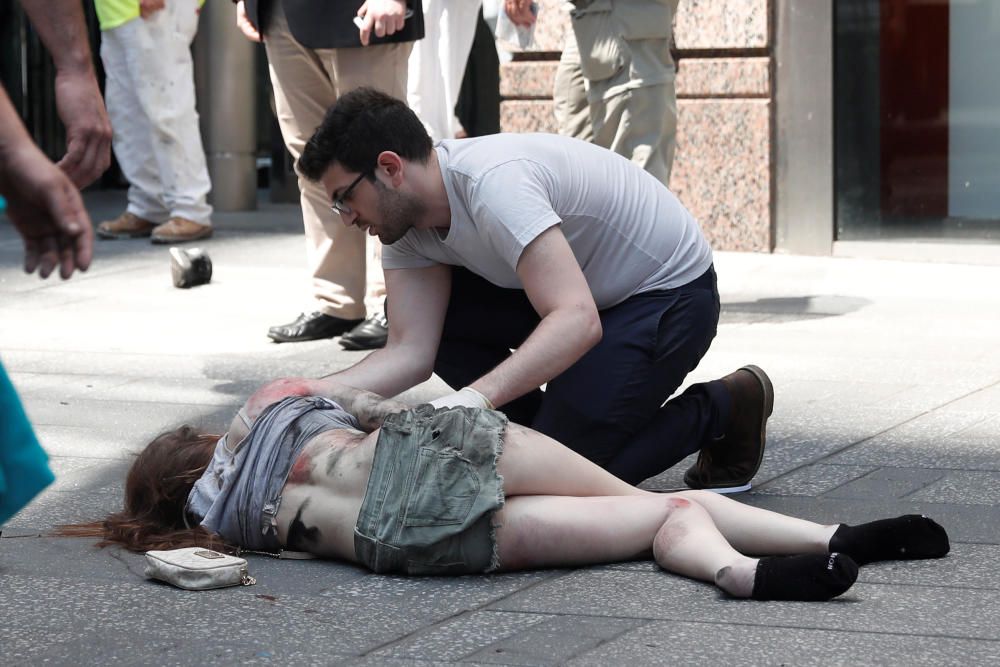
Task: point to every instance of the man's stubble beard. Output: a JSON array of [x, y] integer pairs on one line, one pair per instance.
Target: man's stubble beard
[[398, 212]]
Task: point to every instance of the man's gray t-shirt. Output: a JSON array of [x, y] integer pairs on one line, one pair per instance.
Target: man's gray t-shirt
[[628, 232]]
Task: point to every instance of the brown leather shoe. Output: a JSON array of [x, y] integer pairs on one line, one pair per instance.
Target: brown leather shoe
[[180, 230], [728, 464], [125, 226]]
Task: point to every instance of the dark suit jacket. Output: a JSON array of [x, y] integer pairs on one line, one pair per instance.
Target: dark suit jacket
[[329, 24]]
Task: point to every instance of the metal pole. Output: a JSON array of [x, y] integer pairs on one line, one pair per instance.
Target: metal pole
[[224, 73]]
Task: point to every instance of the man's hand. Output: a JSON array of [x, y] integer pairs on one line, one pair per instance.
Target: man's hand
[[519, 12], [149, 7], [88, 130], [384, 17], [466, 397], [244, 24], [47, 211]]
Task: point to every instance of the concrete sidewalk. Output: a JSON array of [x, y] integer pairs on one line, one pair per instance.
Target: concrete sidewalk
[[888, 401]]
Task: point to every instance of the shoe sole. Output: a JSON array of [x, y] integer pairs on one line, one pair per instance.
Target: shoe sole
[[725, 490], [765, 383], [349, 344], [119, 236], [768, 389], [278, 338], [160, 240], [281, 338]]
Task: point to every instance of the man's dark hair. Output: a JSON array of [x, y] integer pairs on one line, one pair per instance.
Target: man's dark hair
[[359, 126]]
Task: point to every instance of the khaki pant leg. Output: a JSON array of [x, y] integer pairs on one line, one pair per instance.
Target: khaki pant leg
[[625, 55], [303, 91], [569, 95], [637, 120], [383, 67]]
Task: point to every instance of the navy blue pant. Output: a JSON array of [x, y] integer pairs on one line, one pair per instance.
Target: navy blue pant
[[609, 405]]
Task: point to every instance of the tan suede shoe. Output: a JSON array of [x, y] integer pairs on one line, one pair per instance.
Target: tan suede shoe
[[180, 230], [125, 226]]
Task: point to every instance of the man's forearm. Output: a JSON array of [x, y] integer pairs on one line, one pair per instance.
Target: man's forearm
[[63, 31], [556, 344], [12, 132], [370, 409], [386, 372]]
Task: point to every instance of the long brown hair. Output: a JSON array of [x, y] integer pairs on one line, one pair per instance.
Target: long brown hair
[[156, 491]]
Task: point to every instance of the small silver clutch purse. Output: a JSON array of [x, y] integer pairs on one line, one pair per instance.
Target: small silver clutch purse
[[197, 569]]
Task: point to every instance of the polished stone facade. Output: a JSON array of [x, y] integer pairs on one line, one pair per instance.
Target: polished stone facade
[[723, 168]]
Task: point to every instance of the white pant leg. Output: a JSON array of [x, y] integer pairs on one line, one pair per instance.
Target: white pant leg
[[437, 63], [458, 29], [133, 134], [163, 74], [424, 79]]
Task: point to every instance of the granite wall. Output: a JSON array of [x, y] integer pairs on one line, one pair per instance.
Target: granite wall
[[722, 171]]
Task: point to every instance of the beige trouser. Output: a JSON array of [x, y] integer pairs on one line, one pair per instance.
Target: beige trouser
[[306, 83], [617, 69]]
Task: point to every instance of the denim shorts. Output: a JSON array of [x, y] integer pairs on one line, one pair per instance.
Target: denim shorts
[[433, 490]]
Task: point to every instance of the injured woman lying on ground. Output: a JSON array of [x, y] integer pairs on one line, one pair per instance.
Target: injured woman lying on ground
[[309, 465]]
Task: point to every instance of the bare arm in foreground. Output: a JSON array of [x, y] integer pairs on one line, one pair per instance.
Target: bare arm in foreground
[[42, 203], [61, 27]]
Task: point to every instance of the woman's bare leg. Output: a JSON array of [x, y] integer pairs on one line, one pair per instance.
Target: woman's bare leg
[[546, 531], [553, 531], [761, 532], [535, 464]]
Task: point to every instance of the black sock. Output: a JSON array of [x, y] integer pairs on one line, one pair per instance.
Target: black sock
[[903, 538], [810, 578]]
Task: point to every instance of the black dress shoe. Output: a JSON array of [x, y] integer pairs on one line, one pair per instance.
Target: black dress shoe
[[310, 327], [369, 335]]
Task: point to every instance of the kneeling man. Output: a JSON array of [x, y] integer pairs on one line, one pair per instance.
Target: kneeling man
[[583, 264]]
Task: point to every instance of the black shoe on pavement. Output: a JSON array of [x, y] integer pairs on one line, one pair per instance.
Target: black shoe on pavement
[[369, 335], [313, 326], [728, 464]]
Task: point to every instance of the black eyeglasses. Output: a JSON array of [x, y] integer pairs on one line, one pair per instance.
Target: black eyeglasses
[[339, 204]]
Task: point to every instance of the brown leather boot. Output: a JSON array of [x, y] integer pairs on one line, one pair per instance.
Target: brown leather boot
[[180, 230], [728, 464], [125, 226]]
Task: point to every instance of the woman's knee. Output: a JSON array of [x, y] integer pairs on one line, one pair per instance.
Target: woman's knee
[[700, 497]]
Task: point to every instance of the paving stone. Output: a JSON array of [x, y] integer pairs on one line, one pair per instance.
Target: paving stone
[[887, 483], [128, 419], [970, 566], [554, 641], [814, 480], [62, 386], [919, 610], [464, 636], [970, 487], [172, 390], [936, 440], [716, 643]]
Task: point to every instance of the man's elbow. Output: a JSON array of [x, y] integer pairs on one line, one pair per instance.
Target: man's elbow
[[421, 373], [591, 329], [414, 362]]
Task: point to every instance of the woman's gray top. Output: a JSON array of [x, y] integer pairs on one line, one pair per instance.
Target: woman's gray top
[[239, 493]]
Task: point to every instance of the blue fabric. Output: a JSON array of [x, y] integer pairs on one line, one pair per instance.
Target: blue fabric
[[606, 406], [24, 466]]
